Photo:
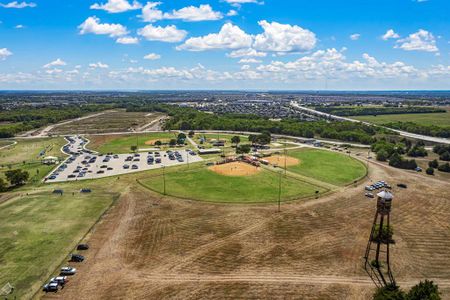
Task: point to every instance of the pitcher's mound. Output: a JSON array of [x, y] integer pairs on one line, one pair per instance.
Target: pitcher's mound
[[279, 160], [235, 169]]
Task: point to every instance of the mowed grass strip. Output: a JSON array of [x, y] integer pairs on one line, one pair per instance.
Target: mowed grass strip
[[123, 143], [439, 119], [37, 231], [206, 185], [327, 166]]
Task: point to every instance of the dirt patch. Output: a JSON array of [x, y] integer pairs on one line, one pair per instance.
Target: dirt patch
[[152, 142], [235, 169], [279, 160]]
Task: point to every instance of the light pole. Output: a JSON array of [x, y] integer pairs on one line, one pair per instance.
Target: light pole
[[279, 192], [285, 158], [164, 180]]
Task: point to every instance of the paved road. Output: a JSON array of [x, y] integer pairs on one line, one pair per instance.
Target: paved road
[[401, 132]]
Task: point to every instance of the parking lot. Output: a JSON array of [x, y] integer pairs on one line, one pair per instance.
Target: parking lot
[[86, 164]]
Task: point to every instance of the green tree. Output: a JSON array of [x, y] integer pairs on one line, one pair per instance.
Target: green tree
[[382, 155], [445, 156], [433, 164], [430, 171], [17, 177], [424, 290], [389, 293], [133, 148], [236, 140], [243, 149], [444, 168], [172, 142], [191, 133], [3, 185], [158, 143]]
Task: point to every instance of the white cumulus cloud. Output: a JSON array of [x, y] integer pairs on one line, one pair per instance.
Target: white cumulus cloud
[[170, 34], [284, 38], [152, 56], [127, 40], [249, 61], [16, 4], [249, 52], [93, 25], [98, 65], [390, 34], [355, 36], [204, 12], [57, 62], [229, 37], [421, 40], [117, 6], [4, 53]]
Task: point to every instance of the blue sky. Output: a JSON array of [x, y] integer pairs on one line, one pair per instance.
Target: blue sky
[[225, 44]]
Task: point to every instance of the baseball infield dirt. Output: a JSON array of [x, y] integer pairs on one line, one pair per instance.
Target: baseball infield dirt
[[235, 169]]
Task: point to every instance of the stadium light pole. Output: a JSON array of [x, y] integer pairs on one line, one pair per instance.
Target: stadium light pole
[[279, 192], [164, 180], [285, 158]]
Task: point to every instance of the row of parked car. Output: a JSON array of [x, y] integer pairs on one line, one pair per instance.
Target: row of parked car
[[58, 282], [376, 186]]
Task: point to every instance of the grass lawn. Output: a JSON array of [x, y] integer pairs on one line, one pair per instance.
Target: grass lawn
[[327, 166], [29, 149], [6, 142], [203, 184], [440, 119], [37, 231], [123, 143]]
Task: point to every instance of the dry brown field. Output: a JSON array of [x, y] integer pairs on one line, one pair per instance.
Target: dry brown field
[[154, 247]]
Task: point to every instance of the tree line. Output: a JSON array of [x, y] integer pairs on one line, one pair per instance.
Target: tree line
[[430, 130], [375, 110], [183, 118]]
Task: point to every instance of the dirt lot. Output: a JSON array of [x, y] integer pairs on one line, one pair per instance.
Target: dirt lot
[[110, 121], [235, 169], [148, 247], [280, 160]]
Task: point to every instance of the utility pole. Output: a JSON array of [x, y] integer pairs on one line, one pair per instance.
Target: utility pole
[[285, 158], [164, 180], [279, 192]]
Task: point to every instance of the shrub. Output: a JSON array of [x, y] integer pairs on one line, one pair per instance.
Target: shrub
[[444, 168], [424, 290], [430, 171], [433, 164], [445, 156]]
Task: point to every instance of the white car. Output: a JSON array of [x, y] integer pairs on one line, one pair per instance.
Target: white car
[[68, 271]]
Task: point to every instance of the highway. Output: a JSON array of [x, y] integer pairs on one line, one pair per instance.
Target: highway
[[401, 132]]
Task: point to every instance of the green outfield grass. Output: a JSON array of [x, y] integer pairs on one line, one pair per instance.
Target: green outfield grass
[[123, 143], [205, 185], [440, 119], [327, 166], [37, 231]]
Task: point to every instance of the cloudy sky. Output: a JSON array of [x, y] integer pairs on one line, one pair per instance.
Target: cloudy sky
[[225, 44]]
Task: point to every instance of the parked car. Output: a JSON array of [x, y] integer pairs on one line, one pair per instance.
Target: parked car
[[67, 271], [76, 258], [370, 195], [134, 167], [51, 287], [61, 280], [126, 166], [83, 247]]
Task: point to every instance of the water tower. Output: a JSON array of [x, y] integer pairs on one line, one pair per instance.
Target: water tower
[[377, 260]]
